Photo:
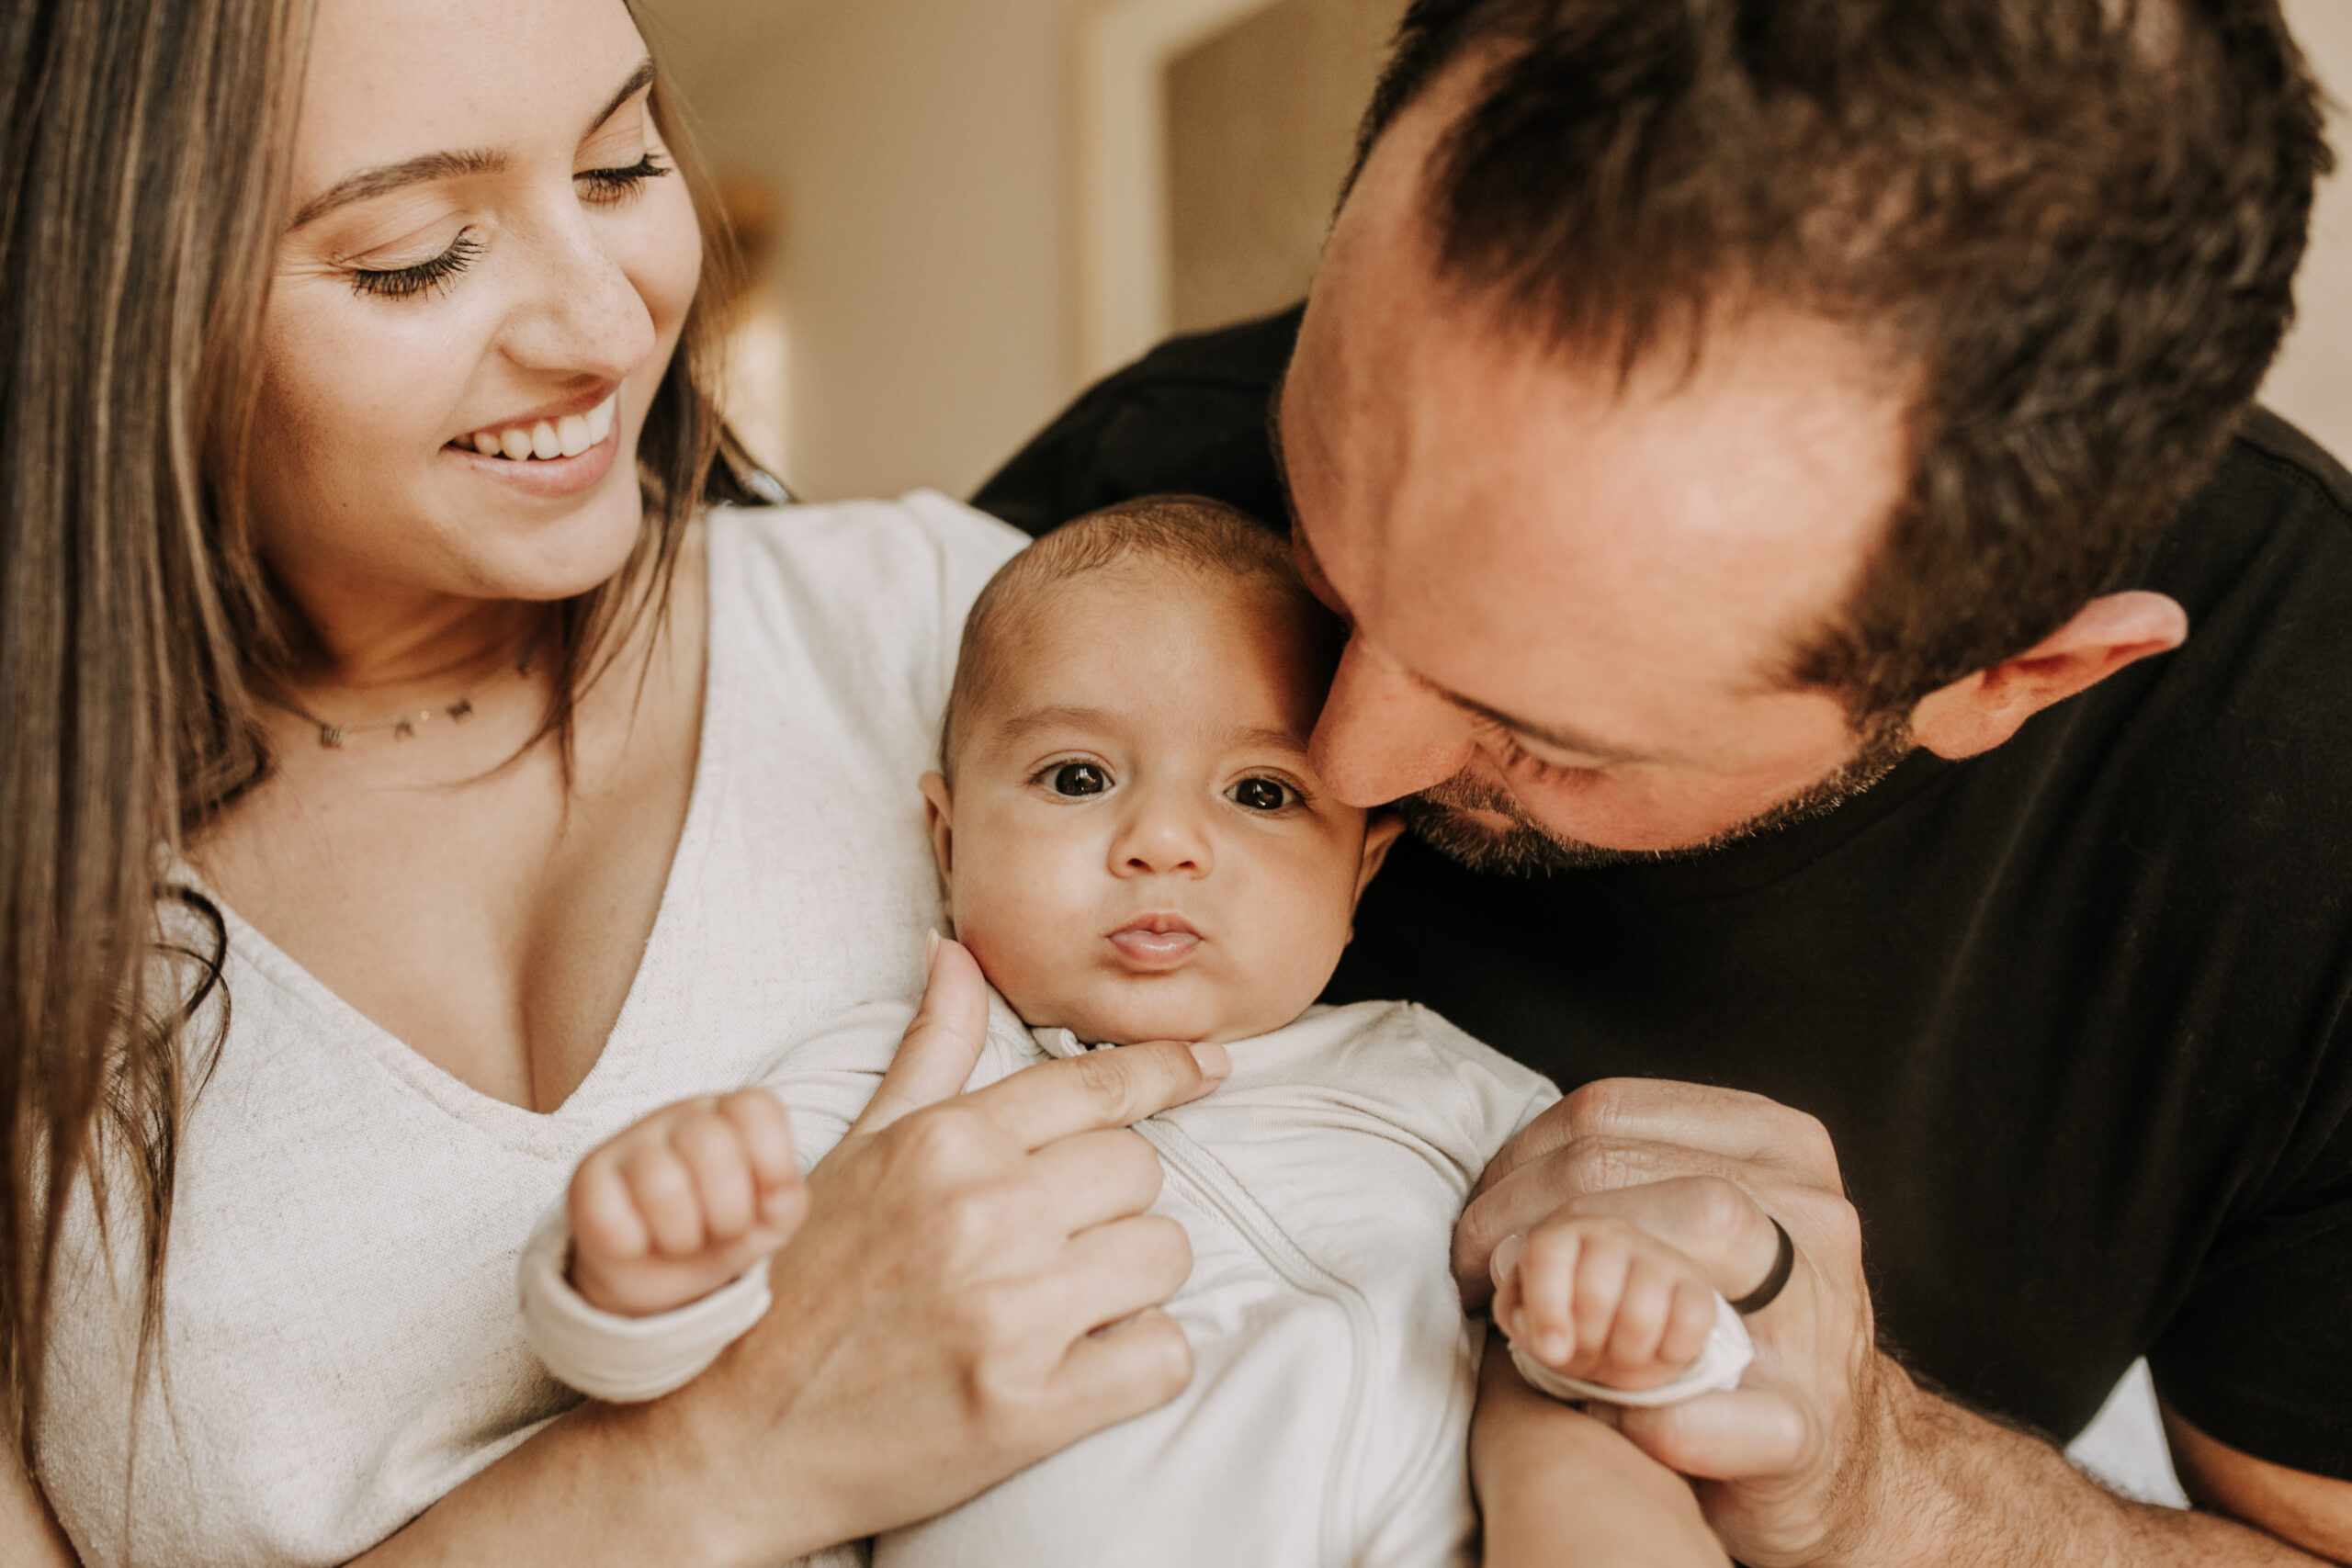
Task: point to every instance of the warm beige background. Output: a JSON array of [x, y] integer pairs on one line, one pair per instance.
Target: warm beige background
[[2313, 383], [1261, 123], [928, 280]]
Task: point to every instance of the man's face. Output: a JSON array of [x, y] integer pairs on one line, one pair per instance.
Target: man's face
[[1572, 600]]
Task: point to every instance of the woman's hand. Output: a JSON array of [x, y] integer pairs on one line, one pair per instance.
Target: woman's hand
[[1558, 1488], [976, 1286]]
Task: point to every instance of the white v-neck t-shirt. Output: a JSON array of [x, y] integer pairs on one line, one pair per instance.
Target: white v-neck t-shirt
[[341, 1338]]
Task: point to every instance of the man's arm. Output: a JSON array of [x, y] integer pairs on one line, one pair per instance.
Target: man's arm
[[1830, 1454], [2313, 1511]]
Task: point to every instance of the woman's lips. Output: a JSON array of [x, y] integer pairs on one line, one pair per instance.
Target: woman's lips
[[546, 477], [1156, 941]]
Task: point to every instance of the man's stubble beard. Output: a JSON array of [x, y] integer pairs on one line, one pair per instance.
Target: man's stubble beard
[[1526, 848]]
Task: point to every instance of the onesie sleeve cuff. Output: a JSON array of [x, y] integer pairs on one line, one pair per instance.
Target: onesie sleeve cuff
[[621, 1359]]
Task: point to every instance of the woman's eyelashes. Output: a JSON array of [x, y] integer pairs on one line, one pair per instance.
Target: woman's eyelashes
[[606, 186], [599, 188], [407, 282]]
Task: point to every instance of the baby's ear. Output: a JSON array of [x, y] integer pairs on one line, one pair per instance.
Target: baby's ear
[[939, 807], [1380, 831]]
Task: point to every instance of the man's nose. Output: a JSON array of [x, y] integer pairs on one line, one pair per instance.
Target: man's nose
[[1384, 734], [1162, 834]]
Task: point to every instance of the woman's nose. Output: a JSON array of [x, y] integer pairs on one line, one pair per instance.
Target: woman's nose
[[1162, 835], [1384, 734], [583, 316]]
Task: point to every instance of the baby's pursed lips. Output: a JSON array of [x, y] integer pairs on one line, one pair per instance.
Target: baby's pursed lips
[[1157, 942], [1160, 924], [545, 439]]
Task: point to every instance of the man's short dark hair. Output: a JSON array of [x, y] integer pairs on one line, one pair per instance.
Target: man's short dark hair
[[2075, 222]]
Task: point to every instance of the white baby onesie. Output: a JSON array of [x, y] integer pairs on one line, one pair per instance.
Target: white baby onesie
[[1327, 1417]]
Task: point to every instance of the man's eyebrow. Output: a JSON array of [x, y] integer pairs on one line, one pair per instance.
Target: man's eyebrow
[[387, 178]]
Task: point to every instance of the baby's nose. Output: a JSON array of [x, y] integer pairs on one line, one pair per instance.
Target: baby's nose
[[1161, 839]]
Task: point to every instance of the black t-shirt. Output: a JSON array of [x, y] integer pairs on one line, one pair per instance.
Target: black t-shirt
[[2077, 1012]]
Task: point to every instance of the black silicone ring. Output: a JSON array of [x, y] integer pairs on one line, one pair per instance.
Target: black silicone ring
[[1784, 1265]]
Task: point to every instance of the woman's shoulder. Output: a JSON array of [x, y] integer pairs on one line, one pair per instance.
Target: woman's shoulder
[[920, 543], [866, 595]]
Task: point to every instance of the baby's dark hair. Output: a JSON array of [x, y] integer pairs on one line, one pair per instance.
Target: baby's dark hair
[[1188, 532]]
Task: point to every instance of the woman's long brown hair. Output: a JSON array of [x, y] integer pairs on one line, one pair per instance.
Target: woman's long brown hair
[[144, 144]]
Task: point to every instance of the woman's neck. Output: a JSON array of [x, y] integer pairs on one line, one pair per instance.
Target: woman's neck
[[386, 654]]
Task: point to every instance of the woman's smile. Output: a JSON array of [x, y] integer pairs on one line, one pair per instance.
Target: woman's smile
[[557, 452]]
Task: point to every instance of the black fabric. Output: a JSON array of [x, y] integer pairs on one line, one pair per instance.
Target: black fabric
[[2076, 1011]]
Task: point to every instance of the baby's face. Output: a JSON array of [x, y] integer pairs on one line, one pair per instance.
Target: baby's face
[[1136, 847]]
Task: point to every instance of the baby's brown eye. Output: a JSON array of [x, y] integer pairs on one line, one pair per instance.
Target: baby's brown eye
[[1079, 778], [1259, 795]]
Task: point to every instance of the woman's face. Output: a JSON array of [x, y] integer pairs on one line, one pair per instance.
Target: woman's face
[[486, 252]]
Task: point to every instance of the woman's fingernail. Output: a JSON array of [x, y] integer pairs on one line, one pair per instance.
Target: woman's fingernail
[[1507, 1256], [930, 950], [1215, 1061]]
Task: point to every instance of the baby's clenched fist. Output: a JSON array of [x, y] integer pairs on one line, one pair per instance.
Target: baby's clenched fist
[[1598, 1300], [684, 1201]]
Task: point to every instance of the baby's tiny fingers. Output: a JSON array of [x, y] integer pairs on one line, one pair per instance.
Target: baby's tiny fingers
[[712, 1146], [1640, 1324], [666, 1195], [605, 1219], [1601, 1276], [1547, 1281], [766, 1130], [1688, 1321]]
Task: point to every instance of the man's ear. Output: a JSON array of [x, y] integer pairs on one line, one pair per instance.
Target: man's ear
[[1973, 716], [1380, 831], [938, 807]]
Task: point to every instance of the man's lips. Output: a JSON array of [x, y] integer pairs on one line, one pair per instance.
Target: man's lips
[[1156, 941]]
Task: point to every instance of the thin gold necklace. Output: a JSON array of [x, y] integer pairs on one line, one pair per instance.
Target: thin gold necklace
[[403, 726]]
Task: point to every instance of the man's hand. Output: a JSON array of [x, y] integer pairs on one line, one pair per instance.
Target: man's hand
[[1787, 1457], [1828, 1453]]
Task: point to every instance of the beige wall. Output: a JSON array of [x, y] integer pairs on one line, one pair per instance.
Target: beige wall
[[2313, 383], [1261, 121], [927, 276]]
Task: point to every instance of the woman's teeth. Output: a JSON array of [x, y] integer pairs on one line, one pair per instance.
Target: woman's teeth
[[565, 437]]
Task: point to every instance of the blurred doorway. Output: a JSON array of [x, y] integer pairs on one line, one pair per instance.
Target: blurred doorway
[[1261, 125], [1212, 139]]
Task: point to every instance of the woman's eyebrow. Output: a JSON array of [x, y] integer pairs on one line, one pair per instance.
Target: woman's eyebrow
[[375, 182]]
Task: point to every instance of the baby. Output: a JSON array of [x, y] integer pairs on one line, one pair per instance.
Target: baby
[[1134, 846]]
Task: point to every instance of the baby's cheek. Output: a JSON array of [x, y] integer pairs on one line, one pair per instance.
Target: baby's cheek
[[1018, 944]]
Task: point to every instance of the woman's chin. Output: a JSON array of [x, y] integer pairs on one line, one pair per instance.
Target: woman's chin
[[525, 553]]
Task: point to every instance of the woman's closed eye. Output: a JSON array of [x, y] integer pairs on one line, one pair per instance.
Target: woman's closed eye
[[598, 188], [606, 186], [419, 278]]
